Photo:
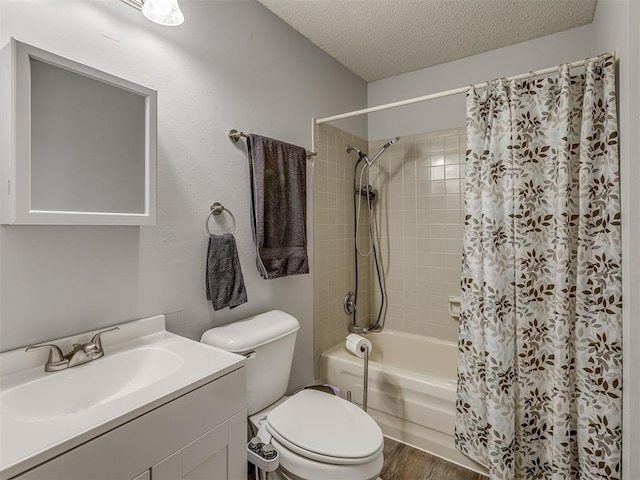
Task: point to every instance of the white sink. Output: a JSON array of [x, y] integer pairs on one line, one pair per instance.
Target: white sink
[[78, 388], [44, 414]]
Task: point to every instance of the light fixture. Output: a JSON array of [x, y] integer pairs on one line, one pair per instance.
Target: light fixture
[[164, 12]]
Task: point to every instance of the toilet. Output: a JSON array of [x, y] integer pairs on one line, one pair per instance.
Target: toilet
[[318, 436]]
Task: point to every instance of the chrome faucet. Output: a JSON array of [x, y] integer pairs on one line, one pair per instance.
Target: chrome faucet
[[81, 353]]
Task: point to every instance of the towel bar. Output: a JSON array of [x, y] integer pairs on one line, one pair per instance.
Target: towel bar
[[216, 209], [234, 135]]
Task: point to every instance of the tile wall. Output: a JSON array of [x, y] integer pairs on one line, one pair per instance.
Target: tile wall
[[420, 215], [334, 237]]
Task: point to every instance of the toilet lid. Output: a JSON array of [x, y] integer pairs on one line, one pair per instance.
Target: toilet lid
[[326, 425]]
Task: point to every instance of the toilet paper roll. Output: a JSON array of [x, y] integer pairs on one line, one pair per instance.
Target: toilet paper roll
[[355, 344]]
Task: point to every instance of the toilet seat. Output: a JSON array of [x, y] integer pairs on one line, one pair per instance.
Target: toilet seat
[[322, 458], [325, 428]]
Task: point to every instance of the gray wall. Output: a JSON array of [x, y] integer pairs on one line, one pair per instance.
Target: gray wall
[[449, 112], [232, 64]]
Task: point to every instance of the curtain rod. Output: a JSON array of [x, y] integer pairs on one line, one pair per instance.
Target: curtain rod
[[455, 91]]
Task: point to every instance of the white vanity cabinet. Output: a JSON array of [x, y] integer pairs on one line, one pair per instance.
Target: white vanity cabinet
[[214, 455], [199, 435]]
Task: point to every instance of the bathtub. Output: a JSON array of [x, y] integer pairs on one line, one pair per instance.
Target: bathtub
[[412, 389]]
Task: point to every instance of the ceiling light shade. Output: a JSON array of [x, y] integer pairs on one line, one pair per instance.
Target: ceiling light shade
[[164, 12]]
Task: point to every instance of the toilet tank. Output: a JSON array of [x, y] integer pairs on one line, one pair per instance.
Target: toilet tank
[[272, 337]]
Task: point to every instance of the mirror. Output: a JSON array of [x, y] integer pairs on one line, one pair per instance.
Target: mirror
[[82, 143]]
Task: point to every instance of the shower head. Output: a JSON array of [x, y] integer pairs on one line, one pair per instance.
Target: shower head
[[390, 142], [384, 147]]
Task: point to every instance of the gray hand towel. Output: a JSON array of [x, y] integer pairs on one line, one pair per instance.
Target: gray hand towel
[[279, 206], [224, 282]]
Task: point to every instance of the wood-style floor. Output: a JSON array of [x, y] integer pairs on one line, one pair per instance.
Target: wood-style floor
[[402, 462]]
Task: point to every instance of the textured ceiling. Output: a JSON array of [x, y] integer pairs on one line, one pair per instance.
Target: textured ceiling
[[381, 38]]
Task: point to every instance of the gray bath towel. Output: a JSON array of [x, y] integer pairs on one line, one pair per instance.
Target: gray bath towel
[[279, 206], [224, 282]]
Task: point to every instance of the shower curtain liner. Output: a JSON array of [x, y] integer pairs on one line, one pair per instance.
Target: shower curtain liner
[[540, 357]]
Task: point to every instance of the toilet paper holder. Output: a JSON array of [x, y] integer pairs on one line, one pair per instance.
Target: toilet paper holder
[[363, 346], [365, 380]]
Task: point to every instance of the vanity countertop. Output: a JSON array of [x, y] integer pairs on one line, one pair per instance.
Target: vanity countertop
[[144, 366]]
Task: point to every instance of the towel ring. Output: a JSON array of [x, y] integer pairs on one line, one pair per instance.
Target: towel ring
[[216, 209]]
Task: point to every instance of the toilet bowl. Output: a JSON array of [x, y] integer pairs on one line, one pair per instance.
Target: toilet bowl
[[318, 436]]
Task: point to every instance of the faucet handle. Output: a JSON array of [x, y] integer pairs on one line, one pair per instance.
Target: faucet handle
[[56, 358], [97, 338]]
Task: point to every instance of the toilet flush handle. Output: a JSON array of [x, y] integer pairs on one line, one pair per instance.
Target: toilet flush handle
[[251, 355]]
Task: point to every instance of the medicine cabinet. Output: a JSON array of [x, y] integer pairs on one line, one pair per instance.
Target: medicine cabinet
[[78, 144]]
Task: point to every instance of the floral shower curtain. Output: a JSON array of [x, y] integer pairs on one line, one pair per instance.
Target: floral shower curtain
[[539, 364]]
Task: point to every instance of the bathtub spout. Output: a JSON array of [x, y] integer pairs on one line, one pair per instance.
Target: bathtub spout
[[353, 328]]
